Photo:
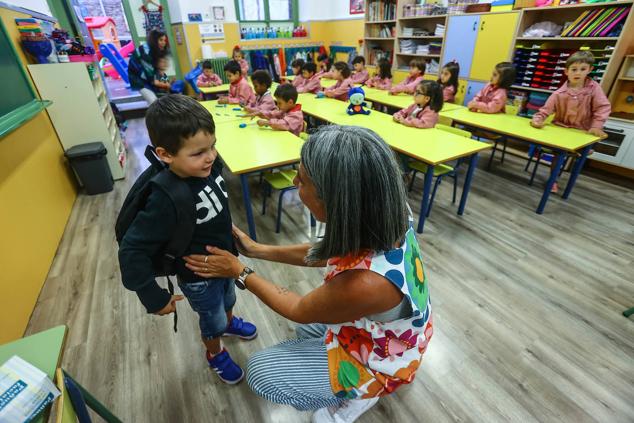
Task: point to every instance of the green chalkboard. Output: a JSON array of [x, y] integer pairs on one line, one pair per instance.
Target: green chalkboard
[[18, 102]]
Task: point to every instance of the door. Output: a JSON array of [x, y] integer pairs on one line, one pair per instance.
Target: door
[[473, 88], [462, 91], [493, 45], [460, 41]]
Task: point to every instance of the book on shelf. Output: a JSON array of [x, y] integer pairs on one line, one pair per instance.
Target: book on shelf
[[377, 54], [599, 22], [381, 11]]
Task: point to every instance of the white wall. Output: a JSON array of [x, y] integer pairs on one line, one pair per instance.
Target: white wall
[[325, 10], [36, 5], [204, 7]]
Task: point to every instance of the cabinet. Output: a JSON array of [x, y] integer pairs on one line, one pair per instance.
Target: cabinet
[[493, 44], [462, 90], [80, 112], [618, 147], [460, 41], [473, 88]]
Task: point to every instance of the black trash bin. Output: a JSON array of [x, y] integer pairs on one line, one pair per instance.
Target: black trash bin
[[91, 166]]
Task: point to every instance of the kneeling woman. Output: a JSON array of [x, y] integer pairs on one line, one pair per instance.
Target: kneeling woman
[[364, 330]]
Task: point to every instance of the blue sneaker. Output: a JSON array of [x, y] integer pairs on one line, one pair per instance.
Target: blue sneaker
[[241, 329], [226, 369]]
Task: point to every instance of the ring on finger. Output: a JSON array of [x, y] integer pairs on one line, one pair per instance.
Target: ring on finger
[[206, 258]]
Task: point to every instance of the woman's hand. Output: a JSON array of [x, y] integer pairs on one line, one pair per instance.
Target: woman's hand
[[246, 246], [218, 264]]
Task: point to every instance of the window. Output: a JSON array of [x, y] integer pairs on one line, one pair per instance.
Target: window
[[267, 11]]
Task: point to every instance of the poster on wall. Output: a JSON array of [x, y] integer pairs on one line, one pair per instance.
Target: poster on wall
[[356, 7], [212, 32], [219, 13]]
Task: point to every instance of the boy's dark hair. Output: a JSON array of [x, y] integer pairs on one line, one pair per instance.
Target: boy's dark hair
[[298, 63], [343, 68], [358, 59], [454, 70], [433, 90], [262, 77], [418, 64], [582, 56], [233, 66], [286, 92], [507, 74], [385, 69], [173, 118], [310, 67], [207, 64]]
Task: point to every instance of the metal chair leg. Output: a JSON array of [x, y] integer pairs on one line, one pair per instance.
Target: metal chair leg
[[537, 160], [265, 194], [628, 312], [504, 141], [433, 195], [411, 182], [455, 186], [495, 147], [278, 224], [529, 161]]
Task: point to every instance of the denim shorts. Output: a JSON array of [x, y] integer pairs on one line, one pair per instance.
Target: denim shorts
[[211, 299]]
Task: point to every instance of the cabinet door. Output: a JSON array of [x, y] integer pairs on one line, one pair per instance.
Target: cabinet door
[[493, 45], [460, 41], [462, 91], [473, 88], [615, 148]]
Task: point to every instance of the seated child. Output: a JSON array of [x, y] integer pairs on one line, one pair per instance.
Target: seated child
[[238, 56], [311, 80], [383, 77], [580, 103], [289, 117], [263, 101], [409, 84], [360, 74], [297, 65], [208, 78], [324, 66], [341, 72], [449, 81], [162, 82], [240, 92], [423, 113], [492, 98], [182, 132]]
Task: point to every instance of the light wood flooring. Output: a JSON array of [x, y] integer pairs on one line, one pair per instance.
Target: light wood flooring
[[527, 310]]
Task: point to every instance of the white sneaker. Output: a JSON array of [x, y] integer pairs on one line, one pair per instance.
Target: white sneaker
[[348, 412]]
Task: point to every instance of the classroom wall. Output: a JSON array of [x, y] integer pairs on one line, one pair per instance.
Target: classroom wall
[[40, 6], [36, 197]]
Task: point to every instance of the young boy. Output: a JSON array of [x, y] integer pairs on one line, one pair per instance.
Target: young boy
[[416, 72], [289, 117], [580, 103], [360, 74], [240, 92], [208, 78], [263, 99], [311, 84], [182, 131]]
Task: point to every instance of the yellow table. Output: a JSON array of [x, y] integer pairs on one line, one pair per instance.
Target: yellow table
[[251, 149], [432, 146], [214, 90], [400, 101], [327, 82], [225, 112], [562, 140]]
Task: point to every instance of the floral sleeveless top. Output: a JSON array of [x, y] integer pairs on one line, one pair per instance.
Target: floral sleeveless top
[[368, 358]]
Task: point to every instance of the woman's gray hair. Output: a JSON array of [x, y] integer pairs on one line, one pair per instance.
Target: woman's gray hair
[[360, 183]]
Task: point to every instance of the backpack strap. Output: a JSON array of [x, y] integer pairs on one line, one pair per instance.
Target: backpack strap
[[182, 198]]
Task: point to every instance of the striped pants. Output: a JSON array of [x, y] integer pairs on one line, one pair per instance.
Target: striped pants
[[294, 372]]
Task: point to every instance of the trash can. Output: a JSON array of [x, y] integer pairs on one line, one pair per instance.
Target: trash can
[[91, 167]]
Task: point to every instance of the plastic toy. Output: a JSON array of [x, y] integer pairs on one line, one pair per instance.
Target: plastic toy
[[236, 109], [192, 77], [356, 96], [110, 52], [243, 125], [320, 94], [102, 29]]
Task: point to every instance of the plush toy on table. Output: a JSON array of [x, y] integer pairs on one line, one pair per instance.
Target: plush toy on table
[[356, 96]]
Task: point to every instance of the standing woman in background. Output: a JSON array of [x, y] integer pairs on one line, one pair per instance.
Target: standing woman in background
[[142, 66]]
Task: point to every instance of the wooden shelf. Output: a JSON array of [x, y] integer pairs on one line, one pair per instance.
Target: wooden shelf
[[567, 38], [379, 38], [422, 37], [412, 18], [626, 78], [380, 22], [418, 55], [540, 90], [577, 6]]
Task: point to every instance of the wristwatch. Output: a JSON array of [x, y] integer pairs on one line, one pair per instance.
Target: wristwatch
[[241, 281]]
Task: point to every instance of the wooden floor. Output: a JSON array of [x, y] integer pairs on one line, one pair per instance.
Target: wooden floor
[[527, 311]]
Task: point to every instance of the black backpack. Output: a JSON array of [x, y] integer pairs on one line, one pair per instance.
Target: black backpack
[[158, 176]]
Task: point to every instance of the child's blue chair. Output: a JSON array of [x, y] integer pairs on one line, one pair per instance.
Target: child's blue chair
[[283, 182], [177, 87], [192, 76], [440, 170]]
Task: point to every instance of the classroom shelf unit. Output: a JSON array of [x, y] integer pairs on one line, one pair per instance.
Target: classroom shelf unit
[[81, 111]]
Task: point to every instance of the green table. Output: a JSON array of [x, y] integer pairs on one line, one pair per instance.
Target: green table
[[562, 140], [215, 90], [431, 146], [225, 112]]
